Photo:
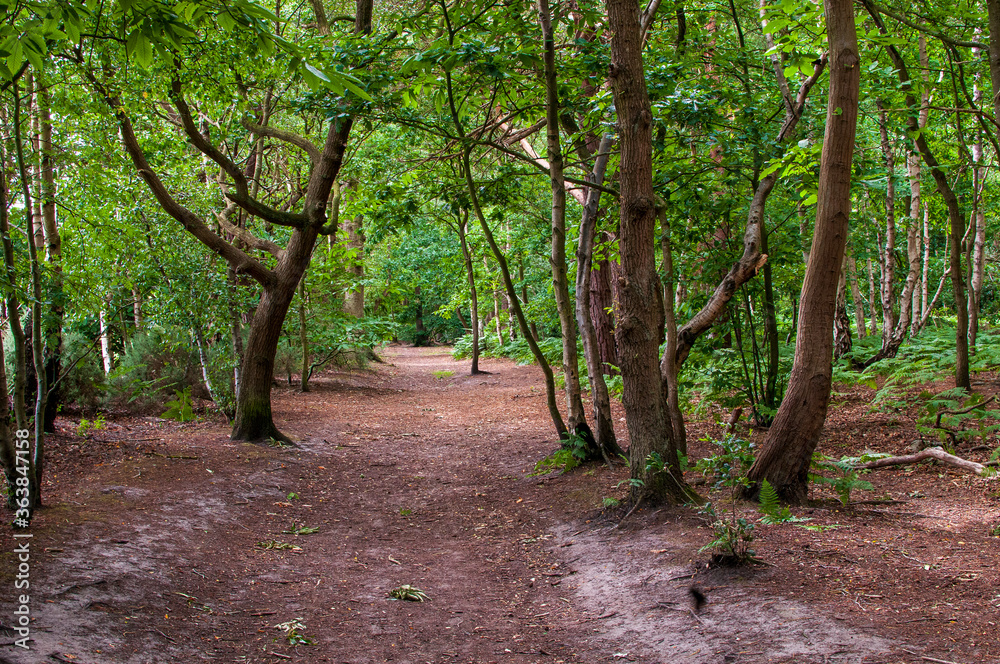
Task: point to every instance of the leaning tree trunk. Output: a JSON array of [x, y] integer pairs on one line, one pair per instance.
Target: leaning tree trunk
[[785, 459], [955, 216], [602, 303], [639, 312]]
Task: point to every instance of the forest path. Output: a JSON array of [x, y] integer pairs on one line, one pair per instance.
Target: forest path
[[412, 476]]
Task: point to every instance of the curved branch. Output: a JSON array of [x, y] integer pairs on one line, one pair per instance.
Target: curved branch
[[242, 194], [246, 236], [241, 261], [286, 136]]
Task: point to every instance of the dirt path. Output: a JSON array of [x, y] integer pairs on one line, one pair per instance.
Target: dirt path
[[152, 549]]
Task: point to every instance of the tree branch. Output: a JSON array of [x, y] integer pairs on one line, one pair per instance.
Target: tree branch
[[241, 262], [929, 453], [242, 194], [246, 236], [286, 136], [925, 30]]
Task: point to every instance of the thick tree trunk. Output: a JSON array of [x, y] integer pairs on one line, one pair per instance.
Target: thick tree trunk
[[577, 420], [254, 421], [785, 458], [639, 313]]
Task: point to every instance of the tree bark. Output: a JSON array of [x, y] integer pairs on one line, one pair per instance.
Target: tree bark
[[602, 303], [470, 273], [577, 419], [859, 305], [639, 313], [603, 423], [53, 318], [785, 458], [841, 321], [955, 216]]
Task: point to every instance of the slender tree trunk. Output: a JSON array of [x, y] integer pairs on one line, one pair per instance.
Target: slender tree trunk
[[577, 420], [889, 251], [977, 259], [668, 364], [303, 337], [859, 305], [53, 318], [354, 298], [785, 458], [872, 300], [470, 273], [602, 303], [639, 313], [955, 215], [924, 279], [841, 321], [603, 423], [770, 395]]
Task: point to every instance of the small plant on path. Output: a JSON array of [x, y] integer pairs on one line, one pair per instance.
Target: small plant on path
[[408, 593], [294, 632]]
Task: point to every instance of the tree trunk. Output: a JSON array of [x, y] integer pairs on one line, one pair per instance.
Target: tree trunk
[[463, 225], [841, 321], [639, 313], [53, 318], [668, 364], [303, 337], [577, 420], [354, 298], [602, 303], [550, 386], [955, 216], [888, 259], [873, 330], [254, 421], [859, 305], [786, 456]]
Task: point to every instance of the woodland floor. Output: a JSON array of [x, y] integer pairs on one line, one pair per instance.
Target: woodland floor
[[148, 550]]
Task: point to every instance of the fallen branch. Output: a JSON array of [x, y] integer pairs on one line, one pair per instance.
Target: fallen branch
[[930, 453]]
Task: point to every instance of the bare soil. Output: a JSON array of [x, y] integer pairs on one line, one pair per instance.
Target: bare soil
[[151, 547]]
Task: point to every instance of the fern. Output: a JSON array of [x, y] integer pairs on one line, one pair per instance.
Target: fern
[[773, 511]]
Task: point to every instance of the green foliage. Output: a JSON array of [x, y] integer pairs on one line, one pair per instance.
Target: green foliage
[[728, 468], [979, 423], [773, 511], [299, 529], [733, 536], [845, 478], [85, 426], [179, 408], [609, 502], [562, 459], [444, 373]]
